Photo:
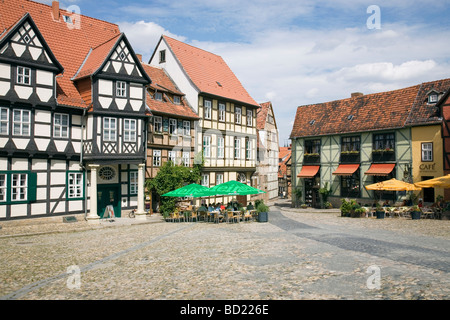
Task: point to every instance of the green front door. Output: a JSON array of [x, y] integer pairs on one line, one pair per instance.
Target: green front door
[[108, 194]]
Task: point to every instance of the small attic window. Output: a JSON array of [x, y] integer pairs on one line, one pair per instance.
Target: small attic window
[[350, 117], [122, 56], [67, 19], [312, 122], [218, 83], [26, 39], [432, 97], [176, 100]]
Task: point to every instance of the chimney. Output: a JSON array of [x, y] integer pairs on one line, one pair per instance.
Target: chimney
[[55, 10], [139, 56], [357, 94]]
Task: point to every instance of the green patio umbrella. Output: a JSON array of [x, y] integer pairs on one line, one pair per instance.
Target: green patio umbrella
[[232, 188], [191, 190]]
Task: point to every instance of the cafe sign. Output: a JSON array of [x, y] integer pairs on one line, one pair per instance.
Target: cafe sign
[[427, 167]]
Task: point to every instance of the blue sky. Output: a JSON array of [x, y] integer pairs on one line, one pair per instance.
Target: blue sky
[[297, 52]]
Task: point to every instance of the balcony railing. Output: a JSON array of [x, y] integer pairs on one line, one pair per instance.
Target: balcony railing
[[311, 158], [350, 157], [383, 155]]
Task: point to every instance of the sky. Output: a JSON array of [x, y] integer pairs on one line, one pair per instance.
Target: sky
[[297, 52]]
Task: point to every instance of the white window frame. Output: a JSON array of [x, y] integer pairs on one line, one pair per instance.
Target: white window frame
[[207, 109], [207, 146], [219, 178], [177, 99], [249, 117], [60, 130], [75, 185], [238, 115], [129, 130], [157, 124], [3, 187], [433, 97], [23, 75], [109, 129], [222, 112], [427, 151], [186, 158], [121, 89], [19, 187], [22, 125], [172, 155], [156, 158], [220, 147], [237, 147], [134, 176], [158, 96], [186, 128], [205, 180], [172, 126], [248, 149], [4, 120]]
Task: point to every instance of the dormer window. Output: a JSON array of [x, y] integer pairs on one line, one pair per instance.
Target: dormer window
[[432, 97], [158, 96], [67, 19], [176, 99], [350, 117]]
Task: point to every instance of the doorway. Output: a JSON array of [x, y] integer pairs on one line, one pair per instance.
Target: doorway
[[428, 193], [108, 194]]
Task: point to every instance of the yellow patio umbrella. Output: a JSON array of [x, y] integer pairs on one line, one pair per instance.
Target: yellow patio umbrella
[[439, 182], [393, 185]]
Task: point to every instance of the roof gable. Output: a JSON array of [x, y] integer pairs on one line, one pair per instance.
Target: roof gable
[[23, 43], [209, 72]]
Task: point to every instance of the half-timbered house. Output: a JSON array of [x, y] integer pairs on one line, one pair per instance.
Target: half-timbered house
[[73, 114]]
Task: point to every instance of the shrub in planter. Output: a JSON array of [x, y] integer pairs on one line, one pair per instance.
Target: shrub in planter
[[415, 213], [380, 212]]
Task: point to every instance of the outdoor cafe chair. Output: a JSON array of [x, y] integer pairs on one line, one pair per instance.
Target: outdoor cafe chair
[[193, 215], [427, 212], [247, 215]]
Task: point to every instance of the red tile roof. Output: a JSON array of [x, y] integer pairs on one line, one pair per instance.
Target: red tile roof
[[261, 115], [162, 82], [285, 155], [378, 111], [209, 72], [69, 45]]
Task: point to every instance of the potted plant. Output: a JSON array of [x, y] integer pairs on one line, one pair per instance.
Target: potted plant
[[347, 207], [415, 212], [379, 211], [324, 192], [262, 210]]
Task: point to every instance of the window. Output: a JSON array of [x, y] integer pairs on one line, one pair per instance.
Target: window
[[21, 122], [351, 144], [75, 185], [270, 119], [186, 158], [176, 99], [207, 109], [172, 126], [4, 120], [187, 128], [121, 89], [19, 187], [109, 129], [61, 125], [3, 187], [433, 97], [220, 147], [384, 141], [129, 130], [162, 56], [249, 117], [350, 186], [207, 146], [238, 114], [427, 151], [133, 182], [67, 19], [205, 180], [157, 124], [173, 157], [158, 96], [219, 178], [23, 75], [222, 112], [248, 149], [156, 158], [312, 147], [237, 148]]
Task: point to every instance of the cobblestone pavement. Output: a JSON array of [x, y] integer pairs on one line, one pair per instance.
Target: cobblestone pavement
[[298, 254]]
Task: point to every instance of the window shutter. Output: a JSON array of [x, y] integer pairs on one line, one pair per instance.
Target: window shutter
[[32, 186]]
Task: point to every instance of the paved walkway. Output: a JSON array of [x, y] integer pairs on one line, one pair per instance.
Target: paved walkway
[[298, 254]]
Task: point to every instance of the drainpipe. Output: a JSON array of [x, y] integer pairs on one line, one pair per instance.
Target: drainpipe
[[81, 162]]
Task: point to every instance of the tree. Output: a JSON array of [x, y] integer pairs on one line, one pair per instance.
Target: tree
[[171, 177]]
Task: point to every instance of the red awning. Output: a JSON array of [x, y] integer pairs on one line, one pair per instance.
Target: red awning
[[308, 171], [346, 169], [380, 169]]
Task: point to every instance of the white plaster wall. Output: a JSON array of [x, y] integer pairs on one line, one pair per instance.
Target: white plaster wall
[[105, 87], [44, 77]]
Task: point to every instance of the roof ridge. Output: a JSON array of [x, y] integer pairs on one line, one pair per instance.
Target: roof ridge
[[192, 46]]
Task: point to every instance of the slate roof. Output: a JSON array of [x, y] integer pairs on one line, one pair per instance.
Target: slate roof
[[209, 72], [378, 111], [163, 83]]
